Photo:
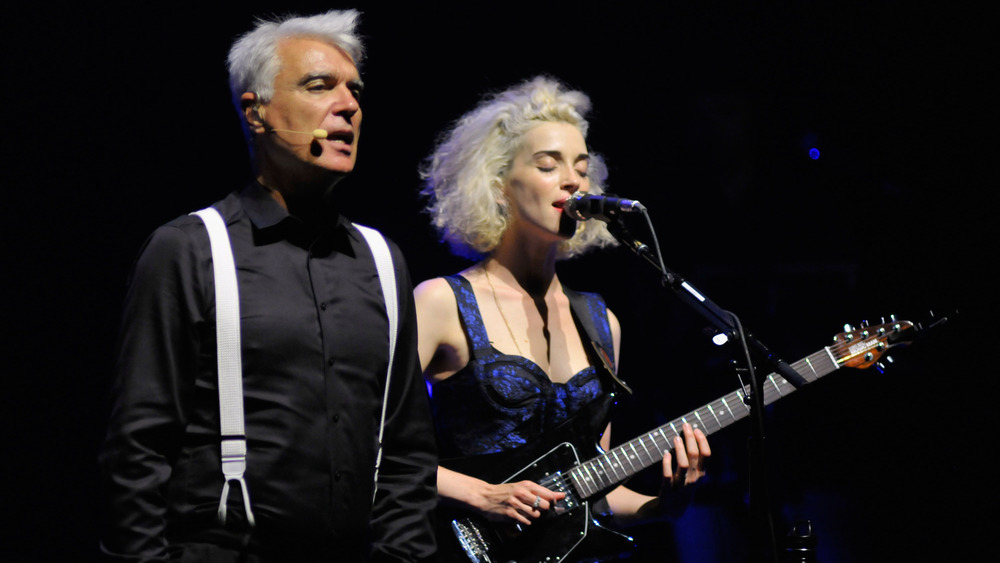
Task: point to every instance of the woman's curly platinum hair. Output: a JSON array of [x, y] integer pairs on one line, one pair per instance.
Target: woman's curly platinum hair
[[253, 59], [465, 174]]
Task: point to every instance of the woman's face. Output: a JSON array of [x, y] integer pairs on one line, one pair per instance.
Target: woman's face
[[549, 167]]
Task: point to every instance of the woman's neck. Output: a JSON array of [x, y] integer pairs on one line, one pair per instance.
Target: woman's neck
[[519, 263]]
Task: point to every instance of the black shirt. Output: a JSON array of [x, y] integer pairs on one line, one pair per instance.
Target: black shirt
[[315, 353]]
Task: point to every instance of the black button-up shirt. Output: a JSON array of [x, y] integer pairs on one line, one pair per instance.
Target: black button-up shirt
[[315, 353]]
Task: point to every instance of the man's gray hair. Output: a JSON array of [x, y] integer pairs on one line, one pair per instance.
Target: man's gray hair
[[253, 60]]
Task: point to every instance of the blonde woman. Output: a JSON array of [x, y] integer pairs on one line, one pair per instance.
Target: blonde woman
[[510, 352]]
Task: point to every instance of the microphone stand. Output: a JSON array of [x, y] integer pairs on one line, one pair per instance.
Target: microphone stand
[[728, 325]]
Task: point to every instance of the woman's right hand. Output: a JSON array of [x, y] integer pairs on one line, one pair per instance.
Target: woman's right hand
[[519, 502]]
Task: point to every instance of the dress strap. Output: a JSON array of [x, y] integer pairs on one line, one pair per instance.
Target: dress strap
[[472, 321]]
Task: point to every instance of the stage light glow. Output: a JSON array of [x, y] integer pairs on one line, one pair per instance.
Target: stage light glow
[[814, 153]]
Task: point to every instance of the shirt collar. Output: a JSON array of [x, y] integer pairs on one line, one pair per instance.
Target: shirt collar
[[264, 211], [273, 221]]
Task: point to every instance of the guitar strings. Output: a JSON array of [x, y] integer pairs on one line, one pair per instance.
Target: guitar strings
[[840, 352]]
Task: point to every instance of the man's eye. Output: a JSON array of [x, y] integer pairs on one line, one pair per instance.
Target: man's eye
[[546, 168]]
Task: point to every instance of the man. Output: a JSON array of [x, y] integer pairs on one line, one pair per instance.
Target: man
[[314, 352]]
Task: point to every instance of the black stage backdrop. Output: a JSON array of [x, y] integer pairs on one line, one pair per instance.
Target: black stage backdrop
[[705, 112]]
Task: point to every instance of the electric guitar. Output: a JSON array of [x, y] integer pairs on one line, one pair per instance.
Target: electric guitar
[[562, 462]]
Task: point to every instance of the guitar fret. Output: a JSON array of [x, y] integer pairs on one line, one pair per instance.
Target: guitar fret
[[666, 446], [636, 452], [829, 353], [575, 476], [615, 452], [587, 479], [712, 410], [743, 399], [810, 364], [597, 475], [726, 404], [599, 471], [592, 480], [647, 449], [606, 475], [674, 428], [698, 416], [776, 388]]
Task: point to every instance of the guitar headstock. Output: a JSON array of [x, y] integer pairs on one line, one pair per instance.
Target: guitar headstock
[[860, 348]]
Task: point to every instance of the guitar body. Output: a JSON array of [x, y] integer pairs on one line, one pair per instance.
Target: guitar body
[[568, 532]]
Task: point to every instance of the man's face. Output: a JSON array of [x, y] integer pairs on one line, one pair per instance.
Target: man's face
[[318, 87]]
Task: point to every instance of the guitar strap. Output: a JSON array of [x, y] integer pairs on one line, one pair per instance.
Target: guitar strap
[[587, 307], [227, 310]]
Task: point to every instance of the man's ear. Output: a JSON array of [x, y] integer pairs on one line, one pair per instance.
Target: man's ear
[[253, 112]]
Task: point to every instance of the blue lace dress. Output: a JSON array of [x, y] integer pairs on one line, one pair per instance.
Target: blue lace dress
[[498, 402]]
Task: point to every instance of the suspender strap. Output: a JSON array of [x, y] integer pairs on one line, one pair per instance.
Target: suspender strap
[[387, 276], [227, 311], [227, 326]]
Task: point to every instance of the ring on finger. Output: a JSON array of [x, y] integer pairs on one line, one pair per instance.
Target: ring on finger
[[538, 501]]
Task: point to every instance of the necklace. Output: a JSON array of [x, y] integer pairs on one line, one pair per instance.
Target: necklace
[[493, 290]]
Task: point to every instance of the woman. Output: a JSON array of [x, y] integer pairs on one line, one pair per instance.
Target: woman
[[499, 343]]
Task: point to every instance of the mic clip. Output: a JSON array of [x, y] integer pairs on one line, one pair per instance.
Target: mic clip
[[618, 230]]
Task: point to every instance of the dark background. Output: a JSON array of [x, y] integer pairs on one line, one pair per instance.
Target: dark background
[[119, 120]]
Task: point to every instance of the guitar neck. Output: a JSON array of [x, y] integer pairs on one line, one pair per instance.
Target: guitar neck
[[597, 475]]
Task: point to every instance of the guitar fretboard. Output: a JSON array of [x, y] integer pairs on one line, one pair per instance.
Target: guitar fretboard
[[618, 464]]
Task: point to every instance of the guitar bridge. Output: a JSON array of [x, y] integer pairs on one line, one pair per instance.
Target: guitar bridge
[[471, 540]]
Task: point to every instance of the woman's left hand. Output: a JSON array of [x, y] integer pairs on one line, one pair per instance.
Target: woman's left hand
[[692, 452]]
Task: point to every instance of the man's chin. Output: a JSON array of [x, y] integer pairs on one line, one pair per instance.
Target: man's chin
[[339, 165]]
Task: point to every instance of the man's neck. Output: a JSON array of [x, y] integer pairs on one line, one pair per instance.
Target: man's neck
[[308, 202]]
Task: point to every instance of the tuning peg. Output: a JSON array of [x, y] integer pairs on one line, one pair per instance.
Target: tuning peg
[[882, 366], [864, 323]]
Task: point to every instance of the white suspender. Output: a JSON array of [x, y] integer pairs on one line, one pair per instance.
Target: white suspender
[[227, 330], [227, 311], [387, 275]]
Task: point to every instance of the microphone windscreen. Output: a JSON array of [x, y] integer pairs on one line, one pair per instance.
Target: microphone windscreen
[[320, 133]]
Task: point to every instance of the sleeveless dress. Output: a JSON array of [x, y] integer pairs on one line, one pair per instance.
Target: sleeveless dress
[[498, 401]]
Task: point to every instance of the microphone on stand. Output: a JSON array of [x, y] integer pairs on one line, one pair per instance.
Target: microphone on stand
[[583, 206]]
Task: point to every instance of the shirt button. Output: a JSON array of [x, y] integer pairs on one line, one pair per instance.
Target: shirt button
[[329, 362], [322, 306], [336, 418], [336, 476]]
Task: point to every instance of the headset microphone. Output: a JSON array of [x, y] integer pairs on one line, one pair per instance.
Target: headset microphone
[[316, 133]]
